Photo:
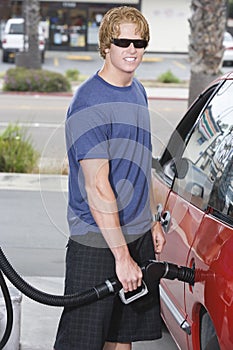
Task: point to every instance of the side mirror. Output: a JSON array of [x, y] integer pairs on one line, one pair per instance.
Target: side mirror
[[156, 164], [181, 167]]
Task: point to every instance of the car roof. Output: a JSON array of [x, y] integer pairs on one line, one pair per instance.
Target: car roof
[[226, 76], [16, 20], [228, 36]]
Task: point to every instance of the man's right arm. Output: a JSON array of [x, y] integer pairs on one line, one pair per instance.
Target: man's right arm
[[103, 206]]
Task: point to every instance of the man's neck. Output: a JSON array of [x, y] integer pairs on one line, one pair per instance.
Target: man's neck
[[115, 77]]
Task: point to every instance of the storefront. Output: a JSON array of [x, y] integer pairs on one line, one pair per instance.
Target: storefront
[[73, 25]]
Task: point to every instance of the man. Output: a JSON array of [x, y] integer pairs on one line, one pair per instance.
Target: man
[[109, 216]]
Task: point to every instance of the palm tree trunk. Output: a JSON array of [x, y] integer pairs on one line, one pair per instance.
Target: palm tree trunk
[[32, 18], [31, 57], [207, 26]]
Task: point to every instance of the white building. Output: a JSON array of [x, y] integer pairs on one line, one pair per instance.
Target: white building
[[169, 24]]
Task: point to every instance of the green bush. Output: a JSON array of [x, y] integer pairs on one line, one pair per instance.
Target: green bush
[[22, 79], [72, 74], [168, 77], [16, 151]]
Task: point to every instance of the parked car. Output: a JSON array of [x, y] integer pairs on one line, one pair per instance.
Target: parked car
[[228, 49], [193, 192], [15, 41]]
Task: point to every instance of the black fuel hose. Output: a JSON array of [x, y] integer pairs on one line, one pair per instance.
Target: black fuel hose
[[77, 299], [9, 310], [153, 271]]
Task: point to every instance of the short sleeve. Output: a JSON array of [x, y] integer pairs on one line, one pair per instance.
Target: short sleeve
[[87, 135]]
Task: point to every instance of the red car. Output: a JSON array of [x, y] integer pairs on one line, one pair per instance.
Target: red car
[[193, 192]]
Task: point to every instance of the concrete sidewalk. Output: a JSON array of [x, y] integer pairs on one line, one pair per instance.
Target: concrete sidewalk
[[167, 93]]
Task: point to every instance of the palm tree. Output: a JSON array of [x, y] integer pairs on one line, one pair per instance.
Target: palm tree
[[32, 16], [207, 26]]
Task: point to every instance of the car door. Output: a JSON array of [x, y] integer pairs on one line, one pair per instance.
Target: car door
[[182, 211], [210, 153]]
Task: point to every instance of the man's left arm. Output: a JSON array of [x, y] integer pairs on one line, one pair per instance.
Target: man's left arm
[[158, 236]]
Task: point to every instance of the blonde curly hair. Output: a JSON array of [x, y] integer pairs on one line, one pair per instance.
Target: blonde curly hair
[[110, 25]]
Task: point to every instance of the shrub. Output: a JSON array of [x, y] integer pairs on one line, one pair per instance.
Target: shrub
[[16, 151], [168, 77], [72, 74], [22, 79]]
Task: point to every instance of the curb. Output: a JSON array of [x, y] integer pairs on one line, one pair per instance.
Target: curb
[[34, 182], [159, 95], [34, 93], [155, 91]]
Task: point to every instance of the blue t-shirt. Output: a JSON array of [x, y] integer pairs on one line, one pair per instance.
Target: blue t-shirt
[[105, 121]]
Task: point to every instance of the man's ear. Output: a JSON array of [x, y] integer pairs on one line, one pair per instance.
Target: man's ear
[[106, 50]]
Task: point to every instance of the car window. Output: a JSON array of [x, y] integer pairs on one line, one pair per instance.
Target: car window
[[165, 166], [16, 28], [205, 171]]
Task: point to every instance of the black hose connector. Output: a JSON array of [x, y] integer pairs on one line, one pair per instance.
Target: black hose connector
[[155, 270]]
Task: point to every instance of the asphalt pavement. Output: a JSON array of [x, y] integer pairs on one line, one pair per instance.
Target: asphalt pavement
[[38, 323]]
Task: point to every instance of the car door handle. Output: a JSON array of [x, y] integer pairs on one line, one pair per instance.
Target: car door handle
[[158, 215], [166, 221], [163, 217]]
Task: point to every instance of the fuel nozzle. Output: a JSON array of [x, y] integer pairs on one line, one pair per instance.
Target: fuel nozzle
[[155, 270], [182, 273], [152, 271]]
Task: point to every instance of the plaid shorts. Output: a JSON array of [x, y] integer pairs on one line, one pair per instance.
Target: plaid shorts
[[89, 327]]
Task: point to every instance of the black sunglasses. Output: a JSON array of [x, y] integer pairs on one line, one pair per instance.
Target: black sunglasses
[[138, 43]]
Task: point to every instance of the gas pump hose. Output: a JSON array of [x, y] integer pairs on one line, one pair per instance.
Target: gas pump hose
[[153, 271]]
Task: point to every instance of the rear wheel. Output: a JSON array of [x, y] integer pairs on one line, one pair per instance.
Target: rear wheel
[[208, 337], [213, 344]]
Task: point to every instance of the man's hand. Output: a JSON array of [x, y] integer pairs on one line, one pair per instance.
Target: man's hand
[[128, 273], [158, 237]]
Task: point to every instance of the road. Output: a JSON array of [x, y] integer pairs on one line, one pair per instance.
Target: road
[[44, 116]]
